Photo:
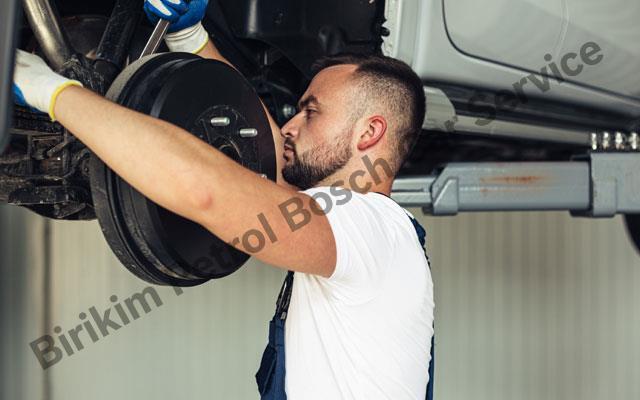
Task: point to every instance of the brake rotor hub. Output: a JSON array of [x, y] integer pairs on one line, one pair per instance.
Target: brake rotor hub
[[213, 102]]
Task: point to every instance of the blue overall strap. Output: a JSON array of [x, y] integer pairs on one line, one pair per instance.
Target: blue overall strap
[[422, 238], [271, 374]]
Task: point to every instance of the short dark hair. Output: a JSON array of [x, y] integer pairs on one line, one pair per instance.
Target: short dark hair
[[396, 85]]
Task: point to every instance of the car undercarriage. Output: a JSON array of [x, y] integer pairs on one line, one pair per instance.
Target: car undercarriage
[[524, 158]]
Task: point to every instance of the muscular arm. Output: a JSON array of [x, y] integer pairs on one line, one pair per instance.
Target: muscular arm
[[187, 176], [211, 51]]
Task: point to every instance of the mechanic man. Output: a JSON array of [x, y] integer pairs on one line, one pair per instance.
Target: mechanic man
[[359, 312]]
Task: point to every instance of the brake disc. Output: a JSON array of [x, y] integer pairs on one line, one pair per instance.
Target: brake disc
[[213, 102]]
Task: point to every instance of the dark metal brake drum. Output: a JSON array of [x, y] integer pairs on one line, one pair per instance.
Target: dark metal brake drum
[[212, 101]]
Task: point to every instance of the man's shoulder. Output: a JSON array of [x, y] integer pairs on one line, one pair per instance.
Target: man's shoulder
[[355, 205]]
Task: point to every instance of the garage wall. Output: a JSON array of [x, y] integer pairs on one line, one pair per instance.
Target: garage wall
[[535, 306], [202, 344], [528, 306], [22, 307]]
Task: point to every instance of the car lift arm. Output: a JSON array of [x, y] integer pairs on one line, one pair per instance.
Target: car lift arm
[[603, 185]]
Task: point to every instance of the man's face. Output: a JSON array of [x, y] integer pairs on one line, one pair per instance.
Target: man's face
[[318, 139]]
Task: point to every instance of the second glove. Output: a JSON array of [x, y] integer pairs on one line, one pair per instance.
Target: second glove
[[185, 32]]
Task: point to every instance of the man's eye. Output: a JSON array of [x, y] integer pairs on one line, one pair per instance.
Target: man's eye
[[308, 112]]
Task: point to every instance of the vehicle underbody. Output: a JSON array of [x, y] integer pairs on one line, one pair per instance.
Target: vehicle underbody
[[45, 169]]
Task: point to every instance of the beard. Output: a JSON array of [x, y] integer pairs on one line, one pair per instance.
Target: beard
[[315, 165]]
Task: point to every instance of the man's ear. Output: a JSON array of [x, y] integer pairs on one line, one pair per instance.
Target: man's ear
[[375, 129]]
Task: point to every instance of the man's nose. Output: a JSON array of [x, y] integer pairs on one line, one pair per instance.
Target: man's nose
[[290, 129]]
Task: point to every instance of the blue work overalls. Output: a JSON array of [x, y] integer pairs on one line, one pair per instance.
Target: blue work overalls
[[270, 375]]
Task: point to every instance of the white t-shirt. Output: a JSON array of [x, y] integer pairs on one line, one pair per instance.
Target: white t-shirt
[[365, 332]]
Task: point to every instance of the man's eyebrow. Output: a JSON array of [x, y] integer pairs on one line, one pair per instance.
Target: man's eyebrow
[[309, 100]]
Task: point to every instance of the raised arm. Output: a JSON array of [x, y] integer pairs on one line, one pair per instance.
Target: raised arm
[[184, 174], [187, 176]]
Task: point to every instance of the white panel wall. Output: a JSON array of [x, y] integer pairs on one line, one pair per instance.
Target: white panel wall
[[535, 306], [203, 344], [528, 306]]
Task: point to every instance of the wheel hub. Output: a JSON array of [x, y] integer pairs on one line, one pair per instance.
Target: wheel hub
[[215, 103]]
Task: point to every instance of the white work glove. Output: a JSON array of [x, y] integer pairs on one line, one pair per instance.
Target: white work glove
[[35, 85], [185, 32]]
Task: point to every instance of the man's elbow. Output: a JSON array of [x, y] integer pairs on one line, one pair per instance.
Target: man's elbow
[[200, 199], [195, 203]]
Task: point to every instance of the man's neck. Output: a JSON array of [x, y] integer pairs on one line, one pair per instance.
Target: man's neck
[[358, 183], [363, 174]]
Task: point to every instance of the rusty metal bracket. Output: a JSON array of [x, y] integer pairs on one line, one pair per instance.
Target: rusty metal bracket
[[603, 185]]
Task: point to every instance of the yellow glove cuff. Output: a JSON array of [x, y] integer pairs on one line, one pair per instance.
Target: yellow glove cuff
[[55, 94]]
